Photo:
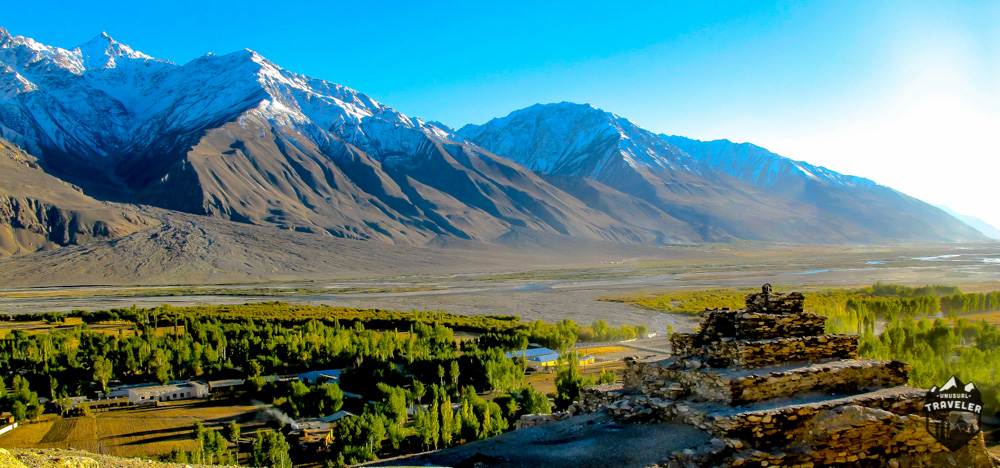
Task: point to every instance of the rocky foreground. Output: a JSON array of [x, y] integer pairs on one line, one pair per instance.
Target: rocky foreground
[[59, 458], [754, 387]]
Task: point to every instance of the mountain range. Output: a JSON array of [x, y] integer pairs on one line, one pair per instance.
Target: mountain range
[[235, 137], [987, 229]]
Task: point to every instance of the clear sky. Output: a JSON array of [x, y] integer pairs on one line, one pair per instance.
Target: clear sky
[[906, 93]]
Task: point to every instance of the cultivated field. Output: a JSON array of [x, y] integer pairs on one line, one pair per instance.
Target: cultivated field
[[34, 327], [989, 317], [132, 433]]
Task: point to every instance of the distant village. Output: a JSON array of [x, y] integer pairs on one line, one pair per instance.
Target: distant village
[[308, 431]]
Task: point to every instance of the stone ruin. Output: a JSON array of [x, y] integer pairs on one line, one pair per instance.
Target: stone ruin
[[774, 390]]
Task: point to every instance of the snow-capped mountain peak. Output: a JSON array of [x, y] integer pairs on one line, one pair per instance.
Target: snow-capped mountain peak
[[238, 136], [106, 98], [565, 137], [759, 166], [103, 52]]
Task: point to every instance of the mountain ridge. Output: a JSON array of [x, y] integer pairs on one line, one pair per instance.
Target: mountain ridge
[[325, 158], [858, 209], [237, 137]]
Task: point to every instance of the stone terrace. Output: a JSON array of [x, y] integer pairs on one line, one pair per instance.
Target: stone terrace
[[774, 390]]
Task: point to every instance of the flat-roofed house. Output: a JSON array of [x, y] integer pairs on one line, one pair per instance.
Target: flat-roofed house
[[171, 392], [545, 357], [321, 376], [226, 385]]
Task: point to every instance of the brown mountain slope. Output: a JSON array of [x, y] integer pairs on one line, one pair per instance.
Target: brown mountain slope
[[38, 211], [254, 172], [722, 190]]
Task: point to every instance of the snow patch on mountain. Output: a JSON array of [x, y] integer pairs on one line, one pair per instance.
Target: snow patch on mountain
[[759, 166], [104, 98], [572, 139]]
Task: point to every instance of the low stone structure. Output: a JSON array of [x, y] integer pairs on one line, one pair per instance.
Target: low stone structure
[[774, 391]]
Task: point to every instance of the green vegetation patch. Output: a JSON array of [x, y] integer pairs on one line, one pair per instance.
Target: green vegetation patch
[[686, 302]]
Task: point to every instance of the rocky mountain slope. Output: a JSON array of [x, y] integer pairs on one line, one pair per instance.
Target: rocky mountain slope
[[38, 211], [236, 137], [879, 208], [736, 190]]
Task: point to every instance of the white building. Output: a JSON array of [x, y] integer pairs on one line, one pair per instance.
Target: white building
[[172, 392], [122, 390]]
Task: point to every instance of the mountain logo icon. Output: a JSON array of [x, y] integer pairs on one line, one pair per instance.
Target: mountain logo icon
[[954, 413]]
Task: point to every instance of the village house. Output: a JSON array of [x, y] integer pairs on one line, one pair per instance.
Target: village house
[[545, 357], [171, 392]]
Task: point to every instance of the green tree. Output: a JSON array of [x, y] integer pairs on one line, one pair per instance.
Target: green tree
[[447, 421], [200, 434], [233, 432], [569, 382], [607, 377], [270, 450], [453, 373], [425, 423], [160, 366], [493, 421], [65, 404], [534, 402], [103, 372], [396, 433], [469, 427], [19, 410], [418, 391], [394, 402]]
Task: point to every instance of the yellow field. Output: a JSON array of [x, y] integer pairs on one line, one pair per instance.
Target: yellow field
[[37, 327], [134, 433], [597, 351], [990, 317]]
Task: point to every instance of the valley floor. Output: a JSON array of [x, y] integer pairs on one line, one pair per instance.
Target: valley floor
[[569, 291]]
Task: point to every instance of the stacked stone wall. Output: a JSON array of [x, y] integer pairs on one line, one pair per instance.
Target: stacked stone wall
[[779, 427], [875, 441], [775, 391], [832, 378], [759, 428], [725, 323], [758, 353], [683, 345], [673, 380], [767, 301]]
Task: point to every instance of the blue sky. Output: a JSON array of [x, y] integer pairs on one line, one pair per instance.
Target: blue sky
[[905, 93]]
